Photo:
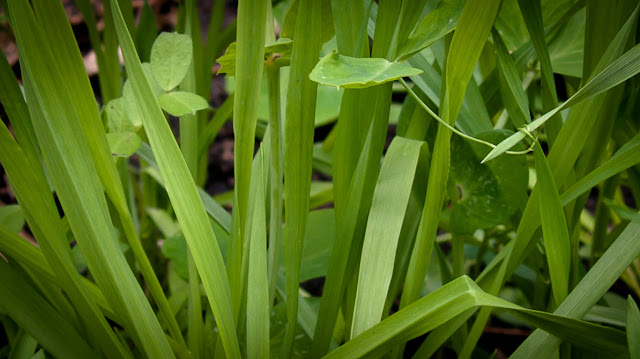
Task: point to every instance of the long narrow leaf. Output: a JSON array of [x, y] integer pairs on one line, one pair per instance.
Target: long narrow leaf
[[182, 193]]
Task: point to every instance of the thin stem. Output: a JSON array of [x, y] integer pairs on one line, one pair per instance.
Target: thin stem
[[462, 134]]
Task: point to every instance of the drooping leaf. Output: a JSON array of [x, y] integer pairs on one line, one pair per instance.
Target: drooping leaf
[[180, 103], [351, 72], [171, 56]]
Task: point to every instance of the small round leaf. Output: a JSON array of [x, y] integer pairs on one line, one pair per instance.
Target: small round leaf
[[171, 56]]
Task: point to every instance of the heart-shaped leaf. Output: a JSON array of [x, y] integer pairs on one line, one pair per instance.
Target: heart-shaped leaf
[[484, 195], [180, 103], [351, 72], [171, 56]]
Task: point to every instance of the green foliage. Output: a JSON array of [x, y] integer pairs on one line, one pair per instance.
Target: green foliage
[[477, 159]]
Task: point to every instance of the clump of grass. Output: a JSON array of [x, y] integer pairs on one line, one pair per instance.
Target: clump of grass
[[506, 116]]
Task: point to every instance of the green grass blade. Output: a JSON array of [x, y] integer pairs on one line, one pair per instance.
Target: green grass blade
[[459, 296], [257, 282], [182, 193], [249, 66], [77, 183], [554, 228], [513, 95], [298, 151], [627, 156], [69, 62], [213, 208], [31, 257], [32, 191], [467, 43], [633, 328], [532, 14], [620, 70], [387, 213], [34, 314], [590, 289]]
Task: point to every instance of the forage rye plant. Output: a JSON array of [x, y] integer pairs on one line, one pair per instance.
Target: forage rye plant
[[444, 165]]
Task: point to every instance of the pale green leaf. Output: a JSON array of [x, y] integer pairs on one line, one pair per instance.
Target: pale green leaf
[[180, 103], [123, 144], [351, 72], [171, 56]]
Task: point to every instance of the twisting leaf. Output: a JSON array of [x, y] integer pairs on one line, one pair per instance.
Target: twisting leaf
[[351, 72]]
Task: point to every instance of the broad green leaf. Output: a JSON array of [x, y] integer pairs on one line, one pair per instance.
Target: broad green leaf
[[511, 25], [318, 242], [351, 72], [439, 22], [484, 196], [387, 214], [171, 56], [180, 103], [279, 51], [123, 144], [32, 312], [633, 328], [12, 217], [567, 48]]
